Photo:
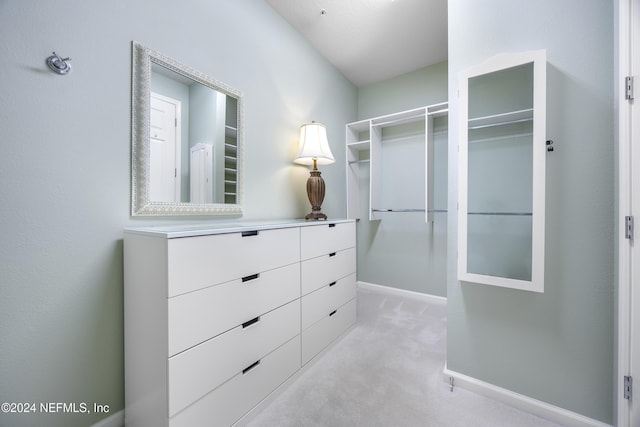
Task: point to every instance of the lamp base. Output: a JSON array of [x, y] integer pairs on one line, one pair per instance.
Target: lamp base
[[315, 192], [315, 216]]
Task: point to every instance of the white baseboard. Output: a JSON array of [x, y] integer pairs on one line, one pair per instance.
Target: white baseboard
[[522, 402], [114, 420], [402, 292]]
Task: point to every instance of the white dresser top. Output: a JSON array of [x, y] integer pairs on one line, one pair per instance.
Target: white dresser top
[[203, 229]]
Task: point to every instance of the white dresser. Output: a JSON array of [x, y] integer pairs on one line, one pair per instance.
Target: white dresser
[[218, 317]]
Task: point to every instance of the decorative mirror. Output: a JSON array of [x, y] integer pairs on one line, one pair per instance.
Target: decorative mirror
[[501, 172], [186, 140]]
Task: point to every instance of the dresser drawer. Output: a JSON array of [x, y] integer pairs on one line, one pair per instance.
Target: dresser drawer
[[321, 271], [197, 316], [197, 371], [323, 332], [319, 303], [229, 402], [198, 262], [323, 239]]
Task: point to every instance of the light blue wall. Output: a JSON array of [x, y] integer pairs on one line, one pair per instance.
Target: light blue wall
[[401, 250], [418, 88], [557, 346], [65, 169]]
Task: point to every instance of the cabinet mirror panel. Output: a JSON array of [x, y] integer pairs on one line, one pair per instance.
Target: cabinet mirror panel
[[502, 174], [186, 139]]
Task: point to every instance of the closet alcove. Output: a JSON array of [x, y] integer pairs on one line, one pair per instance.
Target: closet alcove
[[397, 190]]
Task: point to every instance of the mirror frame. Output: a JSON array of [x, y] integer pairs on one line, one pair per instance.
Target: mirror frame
[[538, 60], [141, 205]]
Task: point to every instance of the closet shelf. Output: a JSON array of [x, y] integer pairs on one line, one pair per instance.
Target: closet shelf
[[411, 115], [398, 121], [360, 161], [399, 118], [360, 145]]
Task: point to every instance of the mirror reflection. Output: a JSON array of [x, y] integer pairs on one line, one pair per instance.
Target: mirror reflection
[[187, 140], [500, 173], [193, 141]]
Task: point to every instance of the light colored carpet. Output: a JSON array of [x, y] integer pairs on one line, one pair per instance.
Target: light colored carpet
[[387, 372]]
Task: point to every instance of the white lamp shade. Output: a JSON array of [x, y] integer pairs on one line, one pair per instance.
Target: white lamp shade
[[314, 145]]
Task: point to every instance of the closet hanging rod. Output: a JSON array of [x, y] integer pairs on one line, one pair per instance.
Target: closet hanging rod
[[397, 210], [499, 138], [409, 210], [501, 213]]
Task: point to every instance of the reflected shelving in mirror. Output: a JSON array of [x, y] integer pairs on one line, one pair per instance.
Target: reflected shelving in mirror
[[520, 116], [501, 213]]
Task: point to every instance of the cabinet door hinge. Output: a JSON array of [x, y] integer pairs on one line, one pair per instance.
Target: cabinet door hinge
[[628, 387], [628, 227], [628, 88]]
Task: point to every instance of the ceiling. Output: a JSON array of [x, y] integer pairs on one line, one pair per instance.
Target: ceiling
[[371, 40]]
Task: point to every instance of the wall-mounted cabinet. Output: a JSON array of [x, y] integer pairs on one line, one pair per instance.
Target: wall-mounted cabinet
[[365, 142], [501, 172]]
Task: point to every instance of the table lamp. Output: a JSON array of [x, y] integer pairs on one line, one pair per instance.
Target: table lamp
[[313, 150]]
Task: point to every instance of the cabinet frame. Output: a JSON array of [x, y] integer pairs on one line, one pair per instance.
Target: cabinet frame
[[538, 116], [153, 312]]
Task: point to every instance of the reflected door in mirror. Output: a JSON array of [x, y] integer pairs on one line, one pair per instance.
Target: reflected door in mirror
[[164, 153]]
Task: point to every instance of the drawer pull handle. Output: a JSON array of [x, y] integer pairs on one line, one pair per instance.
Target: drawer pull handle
[[333, 312], [250, 367], [332, 284], [332, 254], [249, 233], [331, 225], [250, 322], [250, 277]]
